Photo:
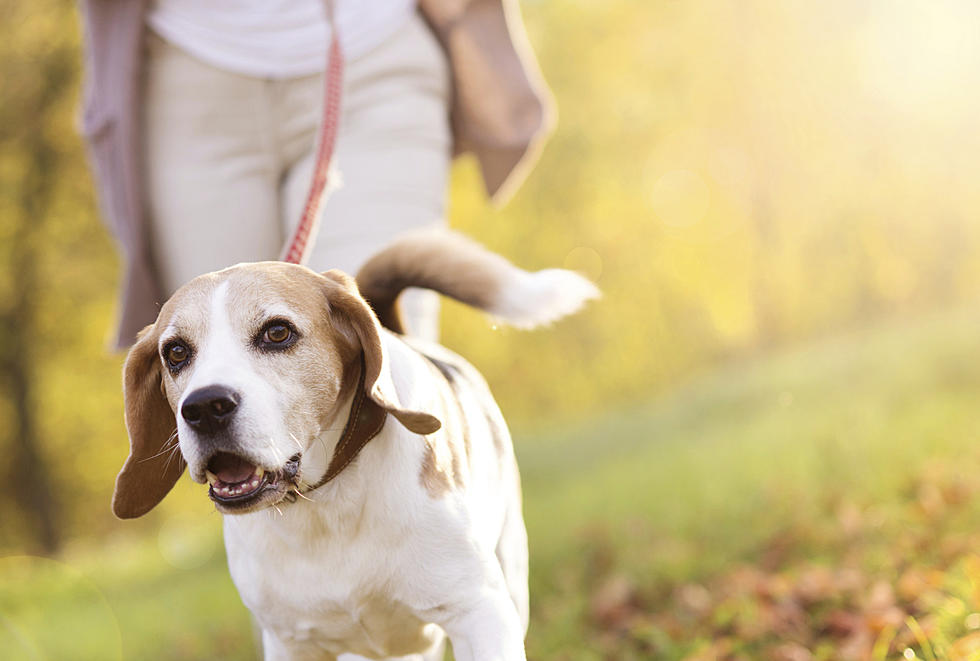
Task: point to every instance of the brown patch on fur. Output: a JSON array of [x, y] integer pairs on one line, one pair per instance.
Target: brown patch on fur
[[442, 464], [321, 370], [446, 459], [442, 261], [497, 432], [437, 478]]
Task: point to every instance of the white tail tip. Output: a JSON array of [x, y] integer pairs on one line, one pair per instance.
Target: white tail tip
[[542, 297]]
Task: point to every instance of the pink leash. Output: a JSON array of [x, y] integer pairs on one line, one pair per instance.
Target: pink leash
[[298, 248]]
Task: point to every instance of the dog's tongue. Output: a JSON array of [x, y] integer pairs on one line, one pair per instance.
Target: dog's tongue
[[230, 469]]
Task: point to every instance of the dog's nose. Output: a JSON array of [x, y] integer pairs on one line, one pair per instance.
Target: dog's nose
[[209, 409]]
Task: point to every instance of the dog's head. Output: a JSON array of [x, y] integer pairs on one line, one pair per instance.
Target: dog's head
[[241, 373]]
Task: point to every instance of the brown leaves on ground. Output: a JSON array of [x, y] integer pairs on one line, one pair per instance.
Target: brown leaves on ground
[[783, 615], [900, 585]]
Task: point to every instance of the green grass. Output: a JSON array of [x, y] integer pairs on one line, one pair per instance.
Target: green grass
[[811, 460], [754, 461]]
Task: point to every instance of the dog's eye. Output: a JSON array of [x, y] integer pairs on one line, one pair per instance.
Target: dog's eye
[[176, 354], [277, 334]]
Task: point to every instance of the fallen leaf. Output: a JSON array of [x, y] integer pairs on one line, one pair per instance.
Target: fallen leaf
[[789, 652], [614, 602], [966, 648]]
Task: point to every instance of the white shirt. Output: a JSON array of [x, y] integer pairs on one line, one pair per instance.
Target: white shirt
[[274, 38]]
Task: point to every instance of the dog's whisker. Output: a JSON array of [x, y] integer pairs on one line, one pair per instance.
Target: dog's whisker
[[173, 453], [302, 495], [275, 451], [162, 452], [168, 446]]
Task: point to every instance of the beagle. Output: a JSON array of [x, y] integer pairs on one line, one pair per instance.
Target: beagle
[[371, 497]]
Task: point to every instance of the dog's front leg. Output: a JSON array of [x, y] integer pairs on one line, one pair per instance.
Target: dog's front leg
[[489, 630]]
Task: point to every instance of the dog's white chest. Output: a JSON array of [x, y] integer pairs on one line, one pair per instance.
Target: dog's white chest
[[371, 626], [333, 597]]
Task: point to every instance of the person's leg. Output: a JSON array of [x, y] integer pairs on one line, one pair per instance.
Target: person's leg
[[393, 153], [211, 171]]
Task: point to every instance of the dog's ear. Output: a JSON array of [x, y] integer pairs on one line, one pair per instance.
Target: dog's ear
[[352, 317], [154, 463]]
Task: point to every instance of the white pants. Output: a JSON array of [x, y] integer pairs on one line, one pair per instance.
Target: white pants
[[228, 160]]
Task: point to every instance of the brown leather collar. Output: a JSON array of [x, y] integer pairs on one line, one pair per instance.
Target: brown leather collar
[[364, 423]]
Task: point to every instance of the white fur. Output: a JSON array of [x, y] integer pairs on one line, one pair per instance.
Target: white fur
[[526, 300]]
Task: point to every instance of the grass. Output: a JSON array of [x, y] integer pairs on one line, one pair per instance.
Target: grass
[[767, 464], [818, 503]]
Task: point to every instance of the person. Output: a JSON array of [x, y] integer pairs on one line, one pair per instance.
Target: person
[[201, 118]]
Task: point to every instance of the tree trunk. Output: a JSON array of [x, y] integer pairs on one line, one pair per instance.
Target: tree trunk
[[25, 132]]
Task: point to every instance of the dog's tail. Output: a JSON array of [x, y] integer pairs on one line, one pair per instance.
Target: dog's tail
[[457, 267]]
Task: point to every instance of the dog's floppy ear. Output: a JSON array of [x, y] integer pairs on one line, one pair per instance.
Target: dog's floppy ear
[[154, 462], [352, 316]]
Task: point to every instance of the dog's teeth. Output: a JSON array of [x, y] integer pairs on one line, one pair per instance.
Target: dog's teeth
[[228, 490]]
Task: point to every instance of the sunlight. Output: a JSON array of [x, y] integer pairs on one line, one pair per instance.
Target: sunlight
[[922, 56], [680, 198]]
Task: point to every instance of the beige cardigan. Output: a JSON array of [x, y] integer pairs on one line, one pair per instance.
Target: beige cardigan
[[501, 112]]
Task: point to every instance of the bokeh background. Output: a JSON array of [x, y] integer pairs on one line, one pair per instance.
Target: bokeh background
[[762, 443]]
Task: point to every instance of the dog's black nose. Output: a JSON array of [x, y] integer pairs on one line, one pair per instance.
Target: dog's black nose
[[209, 409]]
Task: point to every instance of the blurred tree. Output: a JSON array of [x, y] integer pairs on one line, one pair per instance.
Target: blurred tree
[[34, 82]]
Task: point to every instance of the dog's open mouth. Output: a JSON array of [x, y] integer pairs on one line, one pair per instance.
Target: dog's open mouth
[[233, 478], [238, 485]]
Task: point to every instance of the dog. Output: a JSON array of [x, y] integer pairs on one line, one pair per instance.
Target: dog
[[368, 481]]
